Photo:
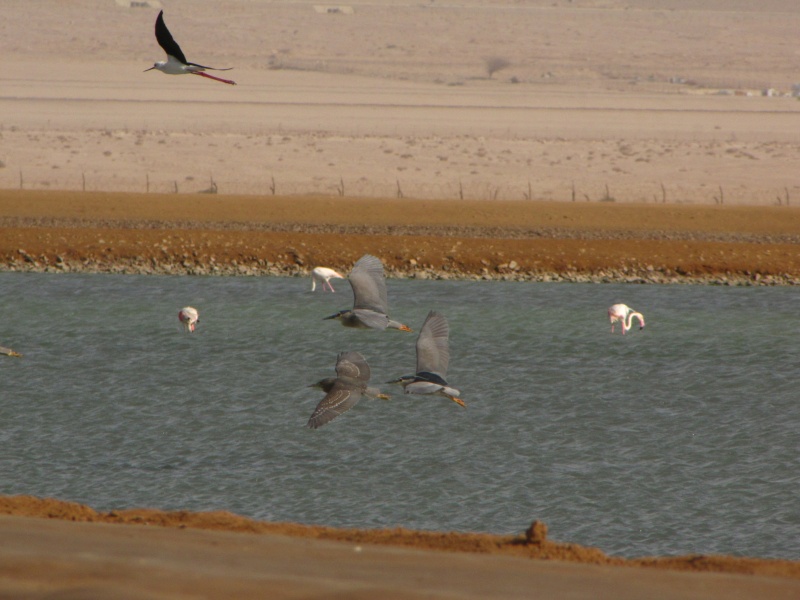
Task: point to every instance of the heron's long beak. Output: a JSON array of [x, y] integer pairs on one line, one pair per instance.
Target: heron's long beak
[[405, 328], [150, 69], [331, 317]]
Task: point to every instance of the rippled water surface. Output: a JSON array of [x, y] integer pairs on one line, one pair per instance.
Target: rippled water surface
[[681, 438]]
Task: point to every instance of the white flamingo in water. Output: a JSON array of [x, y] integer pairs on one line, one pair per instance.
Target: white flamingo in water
[[189, 317], [621, 312], [323, 276]]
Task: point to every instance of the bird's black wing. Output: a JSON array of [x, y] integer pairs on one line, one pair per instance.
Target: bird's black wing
[[433, 348], [369, 284], [340, 399], [429, 377], [166, 41]]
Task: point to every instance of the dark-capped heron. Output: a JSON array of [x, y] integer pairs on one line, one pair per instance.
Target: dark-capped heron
[[433, 358]]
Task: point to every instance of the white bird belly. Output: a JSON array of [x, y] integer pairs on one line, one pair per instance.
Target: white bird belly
[[425, 387]]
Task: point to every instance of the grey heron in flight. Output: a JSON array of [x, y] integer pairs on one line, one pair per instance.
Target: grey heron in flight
[[433, 358], [370, 300], [345, 390]]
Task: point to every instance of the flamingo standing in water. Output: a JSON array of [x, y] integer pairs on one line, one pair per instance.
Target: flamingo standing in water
[[621, 312], [323, 276], [189, 317]]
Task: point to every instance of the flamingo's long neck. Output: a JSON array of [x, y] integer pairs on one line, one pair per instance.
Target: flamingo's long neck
[[627, 324]]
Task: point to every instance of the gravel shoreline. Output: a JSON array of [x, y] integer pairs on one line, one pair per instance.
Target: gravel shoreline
[[66, 232], [179, 266]]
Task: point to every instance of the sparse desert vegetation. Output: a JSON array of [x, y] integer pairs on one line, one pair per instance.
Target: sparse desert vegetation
[[332, 100]]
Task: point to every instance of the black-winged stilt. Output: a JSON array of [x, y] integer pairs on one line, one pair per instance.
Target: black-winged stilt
[[176, 63]]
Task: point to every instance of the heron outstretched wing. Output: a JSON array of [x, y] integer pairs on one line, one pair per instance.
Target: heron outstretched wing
[[433, 347], [370, 318], [352, 365], [340, 399], [369, 284], [344, 392]]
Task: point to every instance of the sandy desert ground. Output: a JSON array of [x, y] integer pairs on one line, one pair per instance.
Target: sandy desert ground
[[638, 140], [59, 549], [630, 100]]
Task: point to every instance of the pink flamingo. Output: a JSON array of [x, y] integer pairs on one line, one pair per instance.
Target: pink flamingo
[[620, 312], [189, 317], [323, 275]]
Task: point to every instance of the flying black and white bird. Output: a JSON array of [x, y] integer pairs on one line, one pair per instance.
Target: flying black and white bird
[[176, 63], [433, 358]]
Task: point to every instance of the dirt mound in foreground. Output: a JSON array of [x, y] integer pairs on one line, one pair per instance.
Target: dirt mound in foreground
[[533, 543]]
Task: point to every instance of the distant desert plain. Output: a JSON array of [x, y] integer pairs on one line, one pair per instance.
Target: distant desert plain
[[643, 141], [657, 101]]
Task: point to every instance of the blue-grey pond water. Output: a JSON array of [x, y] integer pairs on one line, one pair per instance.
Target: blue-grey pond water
[[681, 438]]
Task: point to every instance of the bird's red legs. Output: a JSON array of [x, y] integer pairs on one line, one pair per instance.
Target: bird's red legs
[[202, 74]]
